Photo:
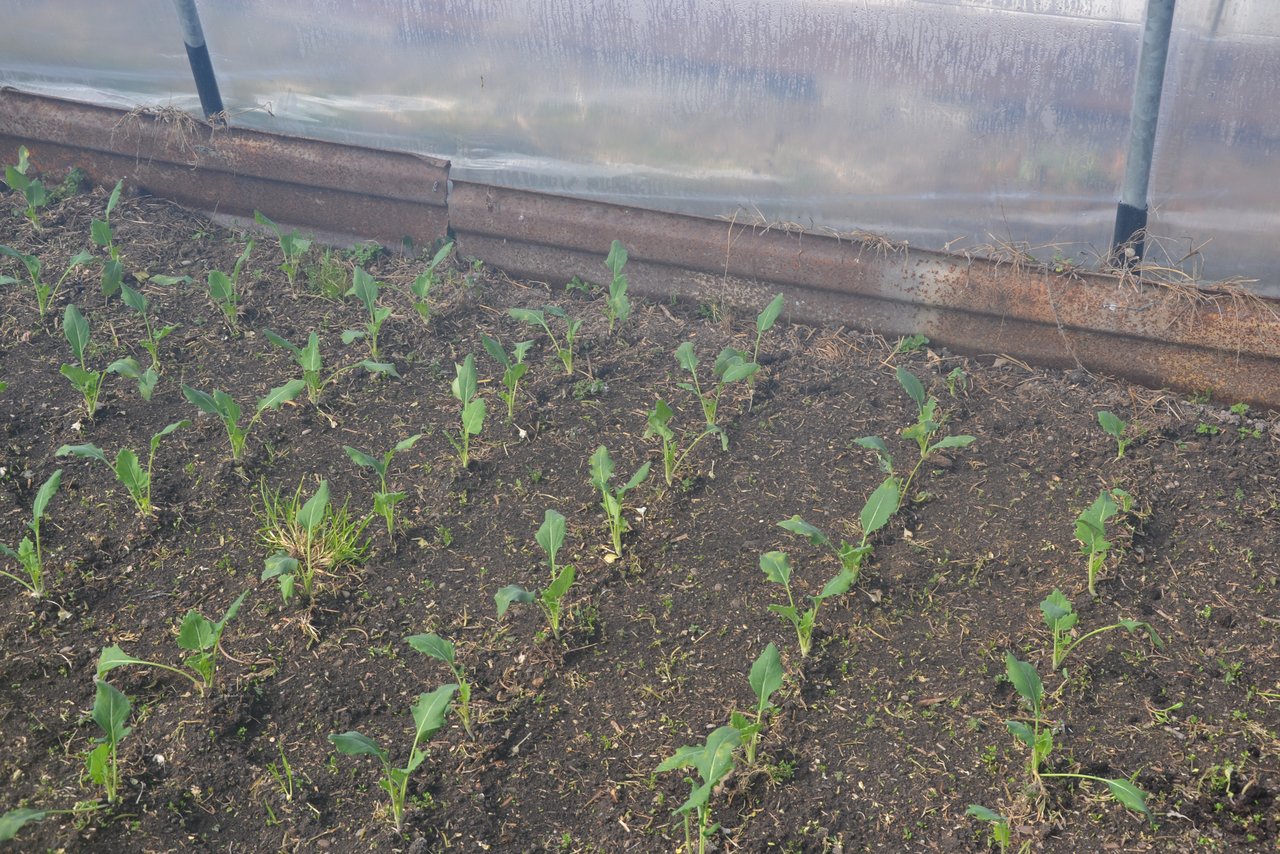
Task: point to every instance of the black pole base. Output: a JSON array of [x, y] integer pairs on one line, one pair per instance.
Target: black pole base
[[1129, 241], [206, 83]]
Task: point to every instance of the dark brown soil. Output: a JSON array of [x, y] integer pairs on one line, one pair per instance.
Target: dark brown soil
[[884, 735]]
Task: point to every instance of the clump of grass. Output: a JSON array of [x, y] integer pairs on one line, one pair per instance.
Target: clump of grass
[[327, 277], [309, 540]]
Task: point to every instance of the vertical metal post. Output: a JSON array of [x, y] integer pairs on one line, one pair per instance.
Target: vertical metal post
[[1127, 245], [198, 56]]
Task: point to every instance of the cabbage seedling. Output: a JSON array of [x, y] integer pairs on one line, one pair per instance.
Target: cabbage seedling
[[428, 717], [367, 290], [135, 478], [1114, 427], [87, 382], [617, 304], [611, 499], [766, 678], [33, 191], [1000, 833], [197, 635], [730, 366], [310, 539], [672, 457], [442, 650], [292, 246], [29, 555], [224, 406], [224, 289], [384, 501], [712, 762], [1061, 618], [308, 358], [464, 388], [539, 318], [513, 368], [925, 428], [426, 282], [45, 294], [764, 322], [137, 301], [1091, 531], [777, 568], [550, 537], [101, 234], [129, 368], [876, 513], [111, 710]]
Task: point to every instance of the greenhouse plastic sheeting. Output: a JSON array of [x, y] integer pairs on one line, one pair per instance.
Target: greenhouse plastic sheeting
[[947, 123]]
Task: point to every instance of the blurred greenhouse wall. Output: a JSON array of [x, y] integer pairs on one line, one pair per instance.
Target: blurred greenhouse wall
[[948, 123]]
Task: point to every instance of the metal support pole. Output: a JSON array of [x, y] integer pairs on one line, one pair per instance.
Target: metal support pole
[[198, 56], [1127, 245]]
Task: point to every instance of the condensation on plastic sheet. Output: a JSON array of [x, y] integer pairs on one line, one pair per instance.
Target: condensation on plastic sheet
[[948, 123]]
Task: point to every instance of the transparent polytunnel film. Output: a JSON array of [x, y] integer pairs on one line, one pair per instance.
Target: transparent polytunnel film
[[958, 124]]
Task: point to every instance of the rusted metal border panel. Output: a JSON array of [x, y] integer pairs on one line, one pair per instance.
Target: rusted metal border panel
[[1153, 334], [358, 193]]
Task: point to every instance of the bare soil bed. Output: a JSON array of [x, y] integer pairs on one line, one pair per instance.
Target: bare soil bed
[[882, 737]]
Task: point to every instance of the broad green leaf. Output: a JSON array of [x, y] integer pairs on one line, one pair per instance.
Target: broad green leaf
[[110, 711], [127, 367], [1111, 423], [355, 743], [47, 490], [164, 281], [985, 814], [282, 343], [685, 357], [136, 300], [837, 586], [166, 430], [473, 416], [406, 444], [201, 400], [385, 369], [96, 763], [131, 474], [360, 458], [636, 479], [364, 288], [766, 674], [1059, 616], [279, 564], [601, 468], [76, 329], [953, 442], [277, 397], [1022, 732], [114, 198], [556, 590], [796, 525], [221, 289], [880, 507], [112, 277], [739, 371], [525, 315], [432, 645], [617, 257], [776, 567], [87, 451], [766, 318], [464, 383], [684, 757], [713, 762], [911, 385], [430, 711], [100, 232], [1134, 625], [1026, 681], [14, 820], [311, 515], [112, 657], [551, 533], [197, 632], [512, 593], [495, 351], [232, 610], [1129, 795]]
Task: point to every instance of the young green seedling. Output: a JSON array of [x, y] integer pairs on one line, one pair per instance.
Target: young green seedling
[[764, 322], [224, 289], [102, 235], [292, 246], [611, 499], [1000, 833], [617, 304], [957, 381], [32, 189], [366, 289], [442, 650], [224, 406], [730, 367], [712, 762], [310, 539], [925, 428], [1061, 618], [539, 318], [137, 301], [197, 635], [426, 282], [550, 537], [14, 820], [672, 457], [29, 554], [1091, 531], [309, 359], [128, 471], [876, 513], [766, 678], [87, 382], [384, 501], [777, 568], [129, 368], [111, 710], [45, 294], [1114, 427], [513, 369], [428, 717], [464, 388]]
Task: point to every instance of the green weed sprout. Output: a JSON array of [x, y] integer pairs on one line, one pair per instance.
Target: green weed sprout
[[958, 381], [777, 568], [127, 469], [197, 635], [659, 424], [309, 359], [876, 513], [45, 294], [766, 678], [384, 501], [1114, 427], [101, 234], [224, 290], [539, 318], [464, 388], [129, 368], [137, 301], [712, 761], [1038, 737], [442, 650], [550, 537], [428, 717], [292, 246], [1061, 618], [426, 282], [730, 367], [611, 499], [513, 369], [111, 710], [926, 427], [224, 406], [87, 382], [1000, 833], [29, 554], [366, 289], [617, 305], [309, 539], [32, 189], [1091, 531]]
